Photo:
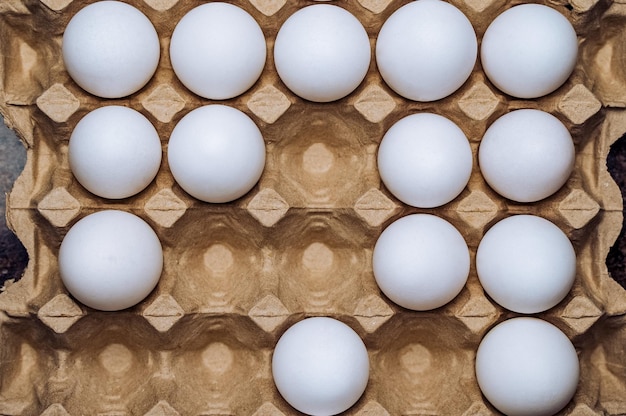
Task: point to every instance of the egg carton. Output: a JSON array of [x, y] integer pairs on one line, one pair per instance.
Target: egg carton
[[299, 244]]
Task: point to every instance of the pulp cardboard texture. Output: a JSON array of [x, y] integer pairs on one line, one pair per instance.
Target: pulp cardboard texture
[[299, 244]]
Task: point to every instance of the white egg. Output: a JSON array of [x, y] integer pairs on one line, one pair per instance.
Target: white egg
[[114, 152], [527, 367], [218, 51], [425, 160], [526, 155], [110, 260], [110, 49], [426, 50], [322, 53], [421, 262], [320, 366], [526, 263], [216, 153], [529, 51]]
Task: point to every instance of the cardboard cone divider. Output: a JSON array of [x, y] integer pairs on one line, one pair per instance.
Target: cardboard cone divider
[[237, 275]]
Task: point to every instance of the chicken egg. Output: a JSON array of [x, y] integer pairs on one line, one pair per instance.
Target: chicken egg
[[322, 53], [529, 50], [526, 263], [426, 50], [216, 153], [320, 366], [425, 160], [110, 49], [421, 262], [114, 152], [218, 51], [110, 260], [526, 366], [526, 155]]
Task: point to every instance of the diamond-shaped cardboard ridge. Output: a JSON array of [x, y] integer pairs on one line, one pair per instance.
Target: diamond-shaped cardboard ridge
[[374, 103], [162, 408], [59, 207], [477, 209], [578, 208], [479, 102], [374, 207], [164, 103], [163, 313], [579, 104], [478, 409], [57, 5], [268, 7], [269, 313], [60, 313], [58, 103], [372, 409], [372, 312], [478, 313], [375, 6], [268, 207], [269, 103], [165, 208], [580, 313], [479, 5], [55, 410], [268, 409], [161, 5]]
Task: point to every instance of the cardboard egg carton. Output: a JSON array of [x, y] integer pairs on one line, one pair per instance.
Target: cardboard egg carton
[[299, 244]]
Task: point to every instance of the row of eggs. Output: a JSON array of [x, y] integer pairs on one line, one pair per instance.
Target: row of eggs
[[217, 154], [111, 260], [425, 50], [524, 366]]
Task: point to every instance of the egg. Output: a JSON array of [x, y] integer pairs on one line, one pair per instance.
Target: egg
[[114, 152], [218, 51], [526, 155], [426, 50], [320, 366], [526, 263], [322, 53], [425, 160], [526, 366], [216, 153], [421, 262], [529, 50], [110, 260], [110, 49]]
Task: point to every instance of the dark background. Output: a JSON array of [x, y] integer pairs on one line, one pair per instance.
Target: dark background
[[13, 256]]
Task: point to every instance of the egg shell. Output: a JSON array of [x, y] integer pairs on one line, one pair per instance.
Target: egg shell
[[425, 160], [529, 50], [421, 262], [526, 366], [320, 366], [114, 152], [216, 153], [526, 263], [111, 49], [218, 51], [526, 155], [322, 53], [110, 260], [426, 50]]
